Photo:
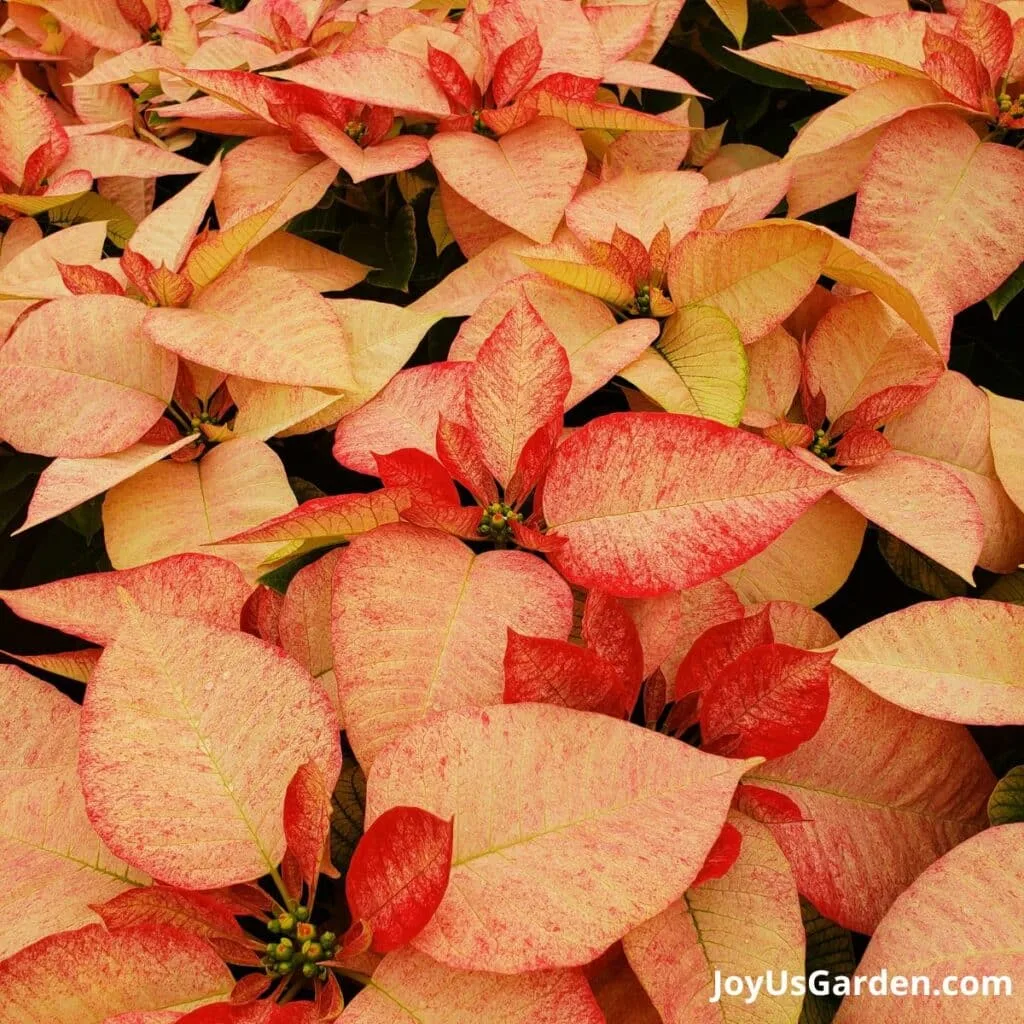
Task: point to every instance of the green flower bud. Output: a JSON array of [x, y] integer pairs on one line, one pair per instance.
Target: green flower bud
[[286, 921], [328, 938], [273, 927], [302, 913], [309, 970], [284, 967]]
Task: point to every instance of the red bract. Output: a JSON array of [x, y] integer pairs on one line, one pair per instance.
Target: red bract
[[398, 875], [426, 431]]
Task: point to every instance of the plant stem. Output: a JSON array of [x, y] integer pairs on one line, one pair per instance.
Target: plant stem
[[293, 990]]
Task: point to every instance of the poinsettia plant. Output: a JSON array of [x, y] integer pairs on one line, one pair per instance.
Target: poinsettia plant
[[514, 511]]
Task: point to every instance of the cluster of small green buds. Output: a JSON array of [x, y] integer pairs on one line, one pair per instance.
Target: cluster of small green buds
[[1010, 108], [300, 947], [154, 35], [355, 130], [642, 300], [821, 443], [496, 521], [481, 127]]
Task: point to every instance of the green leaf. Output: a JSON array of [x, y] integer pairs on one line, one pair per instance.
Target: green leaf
[[16, 467], [747, 69], [1006, 804], [279, 577], [85, 519], [17, 481], [12, 500], [918, 571], [829, 948], [1007, 588], [393, 252], [90, 207], [1006, 292], [438, 224], [347, 808], [304, 490]]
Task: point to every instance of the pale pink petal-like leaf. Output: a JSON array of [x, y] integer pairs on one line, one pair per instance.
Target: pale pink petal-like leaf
[[549, 844], [163, 775], [66, 483], [640, 204], [737, 924], [387, 157], [267, 171], [881, 794], [28, 124], [524, 179], [951, 429], [962, 918], [403, 415], [1006, 434], [409, 982], [47, 841], [304, 624], [375, 75], [737, 200], [774, 367], [959, 660], [596, 345], [105, 156], [318, 266], [517, 384], [78, 378], [147, 967], [194, 586], [938, 206], [167, 233], [859, 349], [721, 497], [420, 624], [852, 54], [172, 508], [923, 503], [226, 327]]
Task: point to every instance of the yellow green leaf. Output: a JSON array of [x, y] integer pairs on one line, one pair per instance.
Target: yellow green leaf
[[698, 366], [93, 207], [733, 15], [215, 253], [596, 281]]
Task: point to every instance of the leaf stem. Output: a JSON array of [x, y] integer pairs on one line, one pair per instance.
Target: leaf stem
[[289, 901]]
